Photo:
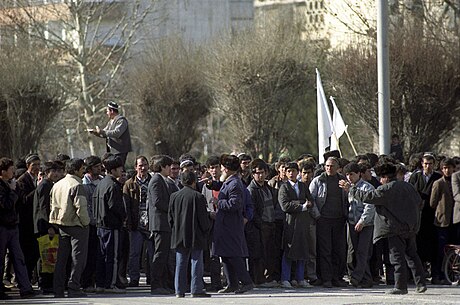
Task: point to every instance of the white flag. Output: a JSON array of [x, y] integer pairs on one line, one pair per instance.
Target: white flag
[[324, 118], [339, 126]]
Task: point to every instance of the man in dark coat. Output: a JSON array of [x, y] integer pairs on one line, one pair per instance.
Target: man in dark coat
[[110, 214], [158, 195], [426, 237], [26, 186], [263, 226], [9, 233], [228, 241], [42, 210], [295, 200], [190, 224], [397, 217]]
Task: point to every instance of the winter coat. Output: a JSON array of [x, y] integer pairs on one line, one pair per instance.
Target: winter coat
[[442, 201], [397, 208], [158, 196], [109, 208], [318, 191], [361, 211], [117, 134], [42, 207], [228, 239], [295, 232], [68, 202], [8, 199], [188, 219]]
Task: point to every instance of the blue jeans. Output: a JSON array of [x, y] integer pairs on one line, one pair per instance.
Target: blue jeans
[[182, 259], [286, 269], [136, 240]]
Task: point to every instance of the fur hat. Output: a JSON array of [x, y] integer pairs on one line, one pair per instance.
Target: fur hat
[[230, 162]]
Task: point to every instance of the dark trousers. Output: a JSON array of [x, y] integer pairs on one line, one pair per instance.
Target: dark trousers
[[278, 253], [331, 240], [29, 246], [268, 233], [362, 251], [235, 271], [403, 248], [159, 270], [89, 274], [381, 256], [9, 239], [444, 237], [123, 257], [73, 242], [212, 264], [107, 262]]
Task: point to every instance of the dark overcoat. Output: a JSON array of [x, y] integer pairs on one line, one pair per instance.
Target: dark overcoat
[[295, 233], [228, 239], [188, 219]]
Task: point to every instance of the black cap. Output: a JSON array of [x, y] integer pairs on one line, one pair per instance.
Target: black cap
[[113, 105]]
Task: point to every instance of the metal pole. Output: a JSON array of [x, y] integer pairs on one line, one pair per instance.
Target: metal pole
[[383, 76]]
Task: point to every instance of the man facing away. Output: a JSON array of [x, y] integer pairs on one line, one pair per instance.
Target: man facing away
[[110, 214], [116, 132], [190, 224], [69, 212], [397, 216]]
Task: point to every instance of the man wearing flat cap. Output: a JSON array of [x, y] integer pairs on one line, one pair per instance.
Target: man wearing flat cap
[[116, 132]]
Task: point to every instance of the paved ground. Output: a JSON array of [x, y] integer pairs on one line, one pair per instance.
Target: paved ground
[[136, 296]]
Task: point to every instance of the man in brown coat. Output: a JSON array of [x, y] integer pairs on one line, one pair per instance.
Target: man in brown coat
[[442, 200]]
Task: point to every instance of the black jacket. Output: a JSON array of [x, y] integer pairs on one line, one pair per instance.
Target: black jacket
[[188, 219], [42, 207], [108, 204], [25, 188], [8, 198], [397, 208]]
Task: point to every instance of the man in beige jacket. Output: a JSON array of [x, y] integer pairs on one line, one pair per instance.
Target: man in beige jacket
[[442, 201], [69, 212]]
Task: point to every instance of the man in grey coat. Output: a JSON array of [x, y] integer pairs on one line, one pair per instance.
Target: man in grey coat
[[116, 132]]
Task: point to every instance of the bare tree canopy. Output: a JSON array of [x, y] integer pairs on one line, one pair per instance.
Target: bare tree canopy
[[259, 79], [94, 39], [172, 97], [424, 82], [30, 97]]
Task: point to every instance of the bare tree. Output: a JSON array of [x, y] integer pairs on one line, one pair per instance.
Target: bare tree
[[173, 100], [30, 97], [425, 87], [259, 79], [94, 39]]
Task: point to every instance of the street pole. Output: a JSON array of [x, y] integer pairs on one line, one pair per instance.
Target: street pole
[[383, 76]]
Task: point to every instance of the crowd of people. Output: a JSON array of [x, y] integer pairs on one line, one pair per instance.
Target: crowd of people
[[88, 226]]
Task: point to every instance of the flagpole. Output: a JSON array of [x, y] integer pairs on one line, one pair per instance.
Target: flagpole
[[351, 142]]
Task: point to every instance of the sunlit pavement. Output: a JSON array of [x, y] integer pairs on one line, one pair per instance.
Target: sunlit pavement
[[279, 296]]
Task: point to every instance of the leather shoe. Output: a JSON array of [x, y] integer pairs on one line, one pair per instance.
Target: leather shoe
[[397, 291], [327, 284], [316, 282], [133, 284], [180, 295], [339, 283], [420, 289], [201, 295], [354, 282], [245, 288], [227, 290]]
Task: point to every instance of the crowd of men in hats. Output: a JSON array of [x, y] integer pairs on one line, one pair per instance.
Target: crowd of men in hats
[[292, 224]]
